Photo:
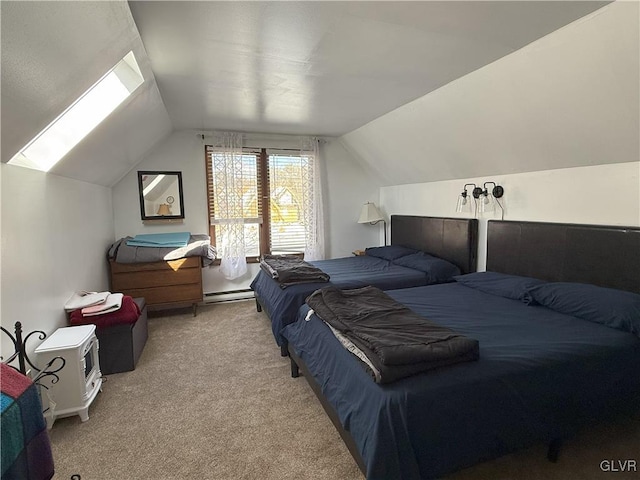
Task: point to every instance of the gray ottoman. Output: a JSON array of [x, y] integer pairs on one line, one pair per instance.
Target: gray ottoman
[[120, 346]]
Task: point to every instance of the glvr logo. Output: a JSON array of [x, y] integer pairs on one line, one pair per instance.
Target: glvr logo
[[618, 466]]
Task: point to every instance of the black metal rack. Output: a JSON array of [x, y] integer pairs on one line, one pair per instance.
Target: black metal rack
[[20, 353]]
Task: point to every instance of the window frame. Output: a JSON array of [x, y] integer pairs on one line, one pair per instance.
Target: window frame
[[83, 116], [264, 200]]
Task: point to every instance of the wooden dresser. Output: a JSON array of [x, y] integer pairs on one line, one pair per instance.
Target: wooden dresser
[[167, 284]]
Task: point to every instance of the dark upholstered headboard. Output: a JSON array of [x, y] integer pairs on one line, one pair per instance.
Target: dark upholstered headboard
[[608, 256], [453, 239]]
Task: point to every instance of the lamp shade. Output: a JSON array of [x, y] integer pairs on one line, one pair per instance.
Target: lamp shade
[[486, 203], [463, 203], [370, 213], [164, 209]]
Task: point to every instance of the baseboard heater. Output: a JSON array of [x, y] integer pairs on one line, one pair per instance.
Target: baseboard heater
[[228, 296]]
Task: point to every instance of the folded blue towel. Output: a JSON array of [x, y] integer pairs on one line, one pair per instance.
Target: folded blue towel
[[176, 239]]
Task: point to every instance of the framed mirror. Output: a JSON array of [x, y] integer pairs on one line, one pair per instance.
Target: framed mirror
[[160, 195]]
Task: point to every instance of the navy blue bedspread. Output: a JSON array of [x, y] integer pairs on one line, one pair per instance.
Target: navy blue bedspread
[[349, 272], [540, 376]]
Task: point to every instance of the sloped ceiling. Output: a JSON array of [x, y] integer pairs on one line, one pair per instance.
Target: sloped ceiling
[[52, 52], [322, 68], [325, 68], [570, 99]]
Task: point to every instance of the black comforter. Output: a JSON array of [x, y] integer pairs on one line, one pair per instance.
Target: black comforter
[[391, 340]]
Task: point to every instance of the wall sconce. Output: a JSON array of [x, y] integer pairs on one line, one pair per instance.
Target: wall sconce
[[464, 202], [371, 215], [485, 200], [490, 199]]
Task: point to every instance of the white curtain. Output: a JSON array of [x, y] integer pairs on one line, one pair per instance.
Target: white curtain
[[228, 203], [312, 205]]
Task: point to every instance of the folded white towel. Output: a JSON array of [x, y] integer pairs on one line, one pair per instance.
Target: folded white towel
[[84, 299], [111, 304]]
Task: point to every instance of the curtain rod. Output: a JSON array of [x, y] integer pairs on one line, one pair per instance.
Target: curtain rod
[[266, 135], [270, 148]]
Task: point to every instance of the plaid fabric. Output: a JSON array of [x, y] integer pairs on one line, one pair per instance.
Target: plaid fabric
[[26, 451]]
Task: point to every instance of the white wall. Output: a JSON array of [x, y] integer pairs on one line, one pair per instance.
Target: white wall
[[53, 52], [569, 99], [346, 186], [601, 195], [565, 109], [180, 151], [55, 235]]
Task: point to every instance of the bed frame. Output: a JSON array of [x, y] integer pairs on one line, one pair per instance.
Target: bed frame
[[608, 256], [452, 239]]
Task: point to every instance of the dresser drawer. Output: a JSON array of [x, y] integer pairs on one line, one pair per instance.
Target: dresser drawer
[[171, 265], [165, 296], [161, 284], [155, 278]]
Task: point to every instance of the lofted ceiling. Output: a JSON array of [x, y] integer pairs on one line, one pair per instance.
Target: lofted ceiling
[[325, 68], [53, 52], [322, 68]]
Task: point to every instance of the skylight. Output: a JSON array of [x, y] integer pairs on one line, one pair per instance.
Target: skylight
[[152, 185], [75, 123]]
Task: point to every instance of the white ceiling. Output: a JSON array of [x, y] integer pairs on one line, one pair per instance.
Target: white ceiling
[[52, 52], [322, 68], [325, 68]]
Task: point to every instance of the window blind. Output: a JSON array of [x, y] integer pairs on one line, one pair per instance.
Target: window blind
[[273, 186], [287, 176]]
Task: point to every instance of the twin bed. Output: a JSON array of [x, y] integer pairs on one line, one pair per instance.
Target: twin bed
[[452, 240], [554, 356]]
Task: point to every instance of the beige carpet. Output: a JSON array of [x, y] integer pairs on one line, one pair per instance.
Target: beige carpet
[[211, 398]]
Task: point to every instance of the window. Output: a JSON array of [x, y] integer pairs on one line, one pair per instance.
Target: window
[[274, 221], [66, 131]]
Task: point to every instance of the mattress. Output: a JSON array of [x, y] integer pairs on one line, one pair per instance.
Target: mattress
[[541, 376]]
